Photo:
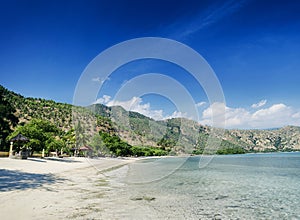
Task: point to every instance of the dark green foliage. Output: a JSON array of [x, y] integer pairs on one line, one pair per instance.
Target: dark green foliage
[[54, 145], [118, 147], [230, 148], [197, 151], [269, 150], [166, 142], [42, 135], [115, 145], [233, 150], [226, 147], [147, 151], [7, 118], [277, 143]]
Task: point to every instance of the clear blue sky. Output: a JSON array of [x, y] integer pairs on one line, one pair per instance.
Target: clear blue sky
[[252, 45]]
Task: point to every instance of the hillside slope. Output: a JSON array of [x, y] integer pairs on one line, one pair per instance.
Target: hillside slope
[[178, 135]]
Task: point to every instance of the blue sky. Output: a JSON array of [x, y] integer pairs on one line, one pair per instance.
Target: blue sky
[[253, 47]]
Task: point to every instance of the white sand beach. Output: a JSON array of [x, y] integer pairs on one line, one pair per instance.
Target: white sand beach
[[69, 188]]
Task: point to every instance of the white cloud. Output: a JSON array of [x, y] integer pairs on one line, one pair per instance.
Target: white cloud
[[296, 115], [273, 110], [104, 100], [222, 114], [200, 104], [277, 115], [136, 104], [259, 104], [177, 114]]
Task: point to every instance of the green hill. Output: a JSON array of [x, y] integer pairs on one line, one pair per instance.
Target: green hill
[[29, 108], [107, 128]]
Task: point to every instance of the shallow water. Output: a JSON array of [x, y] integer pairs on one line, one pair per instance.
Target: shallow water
[[251, 186]]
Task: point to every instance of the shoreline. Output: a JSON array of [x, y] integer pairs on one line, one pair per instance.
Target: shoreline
[[97, 189]]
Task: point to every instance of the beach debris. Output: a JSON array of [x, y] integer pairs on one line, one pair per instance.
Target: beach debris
[[146, 198]]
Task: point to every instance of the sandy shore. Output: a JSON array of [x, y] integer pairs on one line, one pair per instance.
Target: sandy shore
[[72, 188]]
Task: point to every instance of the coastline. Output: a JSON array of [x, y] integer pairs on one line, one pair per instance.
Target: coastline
[[99, 189]]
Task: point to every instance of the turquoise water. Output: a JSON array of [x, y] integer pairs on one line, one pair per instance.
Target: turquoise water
[[251, 186]]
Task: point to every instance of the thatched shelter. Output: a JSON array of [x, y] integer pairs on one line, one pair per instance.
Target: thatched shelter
[[86, 150], [19, 138]]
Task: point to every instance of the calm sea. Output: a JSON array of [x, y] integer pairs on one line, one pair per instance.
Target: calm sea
[[250, 186]]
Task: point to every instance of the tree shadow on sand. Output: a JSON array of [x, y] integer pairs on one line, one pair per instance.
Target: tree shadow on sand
[[18, 180]]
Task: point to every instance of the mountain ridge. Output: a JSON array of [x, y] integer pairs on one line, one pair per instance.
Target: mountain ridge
[[177, 135]]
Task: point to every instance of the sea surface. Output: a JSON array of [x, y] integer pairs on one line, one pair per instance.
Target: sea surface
[[250, 186]]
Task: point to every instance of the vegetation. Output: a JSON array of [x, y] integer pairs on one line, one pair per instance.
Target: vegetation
[[118, 147], [7, 120], [148, 151], [42, 135], [114, 131], [115, 145], [230, 148]]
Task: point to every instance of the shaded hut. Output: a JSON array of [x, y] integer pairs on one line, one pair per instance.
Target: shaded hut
[[86, 151], [20, 139]]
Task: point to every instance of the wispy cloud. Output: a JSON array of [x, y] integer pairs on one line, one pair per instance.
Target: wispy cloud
[[200, 104], [99, 80], [259, 104], [205, 18]]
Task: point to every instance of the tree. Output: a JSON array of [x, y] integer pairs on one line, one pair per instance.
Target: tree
[[69, 140], [98, 145], [53, 145], [41, 134], [115, 144], [81, 138], [7, 120]]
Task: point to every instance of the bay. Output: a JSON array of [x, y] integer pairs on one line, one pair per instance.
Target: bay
[[250, 186]]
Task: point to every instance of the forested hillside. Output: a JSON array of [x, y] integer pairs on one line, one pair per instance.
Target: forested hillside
[[113, 130]]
